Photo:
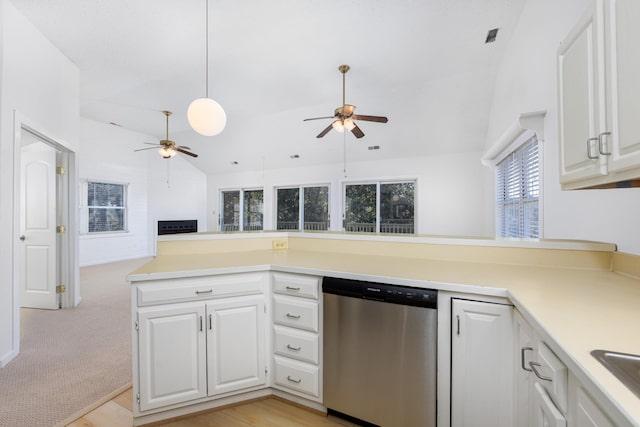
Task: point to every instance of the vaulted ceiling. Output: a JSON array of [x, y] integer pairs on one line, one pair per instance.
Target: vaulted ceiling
[[422, 63]]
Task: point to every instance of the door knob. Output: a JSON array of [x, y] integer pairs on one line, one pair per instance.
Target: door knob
[[22, 238]]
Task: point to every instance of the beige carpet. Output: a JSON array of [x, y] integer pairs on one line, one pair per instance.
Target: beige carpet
[[70, 358]]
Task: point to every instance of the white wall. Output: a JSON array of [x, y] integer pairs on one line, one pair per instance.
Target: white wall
[[452, 197], [177, 190], [41, 85], [107, 154], [527, 82]]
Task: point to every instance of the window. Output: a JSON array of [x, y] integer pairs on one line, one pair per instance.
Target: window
[[302, 208], [518, 192], [384, 207], [242, 210], [106, 207]]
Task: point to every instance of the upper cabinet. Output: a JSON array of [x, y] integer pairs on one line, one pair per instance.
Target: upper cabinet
[[598, 88]]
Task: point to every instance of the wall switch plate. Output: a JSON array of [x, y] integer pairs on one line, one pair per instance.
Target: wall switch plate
[[279, 244]]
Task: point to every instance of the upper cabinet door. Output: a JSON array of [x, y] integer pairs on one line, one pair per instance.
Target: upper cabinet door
[[581, 111], [622, 34]]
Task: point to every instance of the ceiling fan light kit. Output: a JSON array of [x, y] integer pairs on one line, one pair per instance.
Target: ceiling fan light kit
[[205, 115], [167, 148], [344, 117]]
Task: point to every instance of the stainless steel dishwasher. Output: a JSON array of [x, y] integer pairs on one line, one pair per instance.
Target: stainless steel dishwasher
[[380, 352]]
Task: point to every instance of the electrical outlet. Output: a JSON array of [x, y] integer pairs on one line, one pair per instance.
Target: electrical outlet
[[279, 244]]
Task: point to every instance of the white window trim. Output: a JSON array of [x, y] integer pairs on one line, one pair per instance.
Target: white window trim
[[300, 188], [525, 126], [84, 209], [378, 182], [241, 205]]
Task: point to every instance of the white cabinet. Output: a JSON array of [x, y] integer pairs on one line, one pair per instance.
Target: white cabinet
[[172, 355], [296, 335], [213, 345], [235, 344], [481, 364], [524, 342], [598, 90], [545, 413]]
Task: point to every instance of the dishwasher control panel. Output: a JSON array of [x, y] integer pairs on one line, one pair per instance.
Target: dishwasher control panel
[[393, 294]]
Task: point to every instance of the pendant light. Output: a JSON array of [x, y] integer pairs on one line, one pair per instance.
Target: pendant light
[[205, 115]]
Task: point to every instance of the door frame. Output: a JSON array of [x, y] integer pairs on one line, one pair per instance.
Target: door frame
[[68, 247]]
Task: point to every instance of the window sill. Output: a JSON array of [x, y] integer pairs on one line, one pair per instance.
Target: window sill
[[105, 235]]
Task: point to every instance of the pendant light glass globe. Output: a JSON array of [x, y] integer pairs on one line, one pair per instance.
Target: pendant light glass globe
[[206, 117]]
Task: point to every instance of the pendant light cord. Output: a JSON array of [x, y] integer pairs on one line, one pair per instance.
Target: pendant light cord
[[206, 77]]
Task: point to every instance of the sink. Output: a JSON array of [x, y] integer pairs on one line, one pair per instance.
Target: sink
[[626, 367]]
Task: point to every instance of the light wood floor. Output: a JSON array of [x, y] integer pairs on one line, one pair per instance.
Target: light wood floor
[[270, 412]]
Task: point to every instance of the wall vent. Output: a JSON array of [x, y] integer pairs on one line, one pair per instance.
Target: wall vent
[[491, 36]]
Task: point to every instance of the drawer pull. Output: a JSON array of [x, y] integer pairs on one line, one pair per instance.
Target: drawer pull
[[538, 374], [293, 348], [522, 350], [291, 288], [210, 291], [589, 148], [298, 381], [293, 316]]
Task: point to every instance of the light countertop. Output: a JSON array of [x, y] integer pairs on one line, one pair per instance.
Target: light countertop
[[576, 309]]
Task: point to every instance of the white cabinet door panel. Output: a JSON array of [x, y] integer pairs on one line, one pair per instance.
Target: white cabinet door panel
[[482, 364], [172, 355], [235, 344], [546, 414]]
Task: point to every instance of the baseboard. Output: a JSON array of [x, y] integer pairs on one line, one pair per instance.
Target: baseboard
[[84, 411], [8, 358]]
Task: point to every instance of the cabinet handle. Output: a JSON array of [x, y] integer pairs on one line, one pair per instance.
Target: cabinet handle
[[200, 323], [538, 374], [298, 381], [522, 350], [600, 144], [291, 288], [458, 322], [210, 323], [204, 292], [589, 148], [293, 348], [293, 316]]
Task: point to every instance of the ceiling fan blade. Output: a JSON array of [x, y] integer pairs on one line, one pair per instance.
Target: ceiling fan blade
[[149, 148], [318, 118], [183, 146], [151, 143], [356, 131], [183, 151], [378, 119], [325, 131]]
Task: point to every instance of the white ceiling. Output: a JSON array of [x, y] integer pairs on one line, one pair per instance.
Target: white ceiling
[[272, 63]]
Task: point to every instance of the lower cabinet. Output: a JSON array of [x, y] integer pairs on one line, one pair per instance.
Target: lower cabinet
[[481, 364], [199, 349]]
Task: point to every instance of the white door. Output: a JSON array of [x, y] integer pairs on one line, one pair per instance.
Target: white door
[[481, 364], [171, 347], [581, 106], [38, 262], [236, 357]]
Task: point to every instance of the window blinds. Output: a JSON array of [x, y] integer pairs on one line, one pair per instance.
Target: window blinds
[[518, 191]]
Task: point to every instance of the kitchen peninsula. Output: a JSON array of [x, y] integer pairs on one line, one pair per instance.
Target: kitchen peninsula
[[576, 296]]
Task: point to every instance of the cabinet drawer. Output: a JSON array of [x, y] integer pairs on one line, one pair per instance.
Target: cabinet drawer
[[296, 344], [298, 376], [295, 312], [198, 288], [297, 285], [555, 375]]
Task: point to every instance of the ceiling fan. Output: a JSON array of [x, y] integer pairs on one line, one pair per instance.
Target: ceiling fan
[[169, 148], [344, 117]]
